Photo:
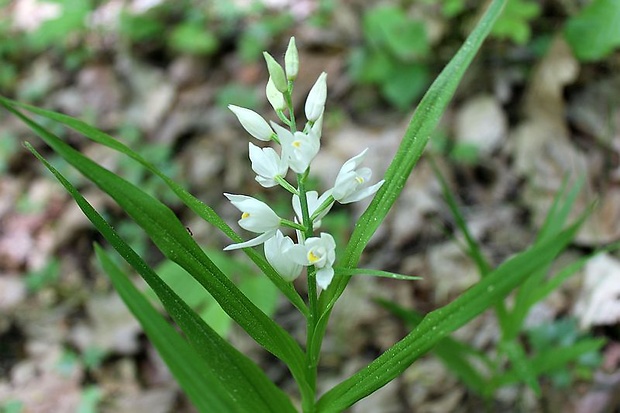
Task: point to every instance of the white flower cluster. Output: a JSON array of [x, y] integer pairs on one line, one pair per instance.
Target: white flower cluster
[[298, 149]]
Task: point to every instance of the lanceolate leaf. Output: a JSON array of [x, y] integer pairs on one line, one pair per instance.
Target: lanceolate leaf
[[424, 120], [203, 210], [189, 369], [173, 240], [439, 323], [240, 379]]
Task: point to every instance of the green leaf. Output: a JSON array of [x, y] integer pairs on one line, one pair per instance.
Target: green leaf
[[554, 359], [193, 38], [439, 323], [453, 353], [201, 385], [200, 208], [514, 24], [425, 119], [235, 371], [475, 252], [405, 83], [594, 33], [172, 238], [375, 273], [520, 364]]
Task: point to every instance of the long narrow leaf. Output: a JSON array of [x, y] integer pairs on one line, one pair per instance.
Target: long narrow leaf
[[237, 373], [474, 247], [171, 237], [424, 120], [554, 359], [200, 208], [521, 365], [439, 323], [200, 384], [453, 354]]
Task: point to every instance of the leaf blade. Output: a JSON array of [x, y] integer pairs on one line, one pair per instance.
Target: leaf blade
[[239, 374]]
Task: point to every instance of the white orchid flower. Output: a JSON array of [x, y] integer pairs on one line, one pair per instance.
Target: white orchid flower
[[256, 216], [298, 149], [283, 255], [314, 202], [351, 182], [252, 122], [267, 164], [315, 103], [320, 252]]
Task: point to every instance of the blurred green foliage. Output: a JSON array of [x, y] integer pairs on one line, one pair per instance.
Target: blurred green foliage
[[393, 55], [249, 280], [514, 23], [594, 33], [564, 333]]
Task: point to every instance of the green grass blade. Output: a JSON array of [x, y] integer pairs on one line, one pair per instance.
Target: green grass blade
[[375, 273], [193, 375], [423, 122], [560, 209], [452, 353], [237, 372], [439, 323], [554, 222], [475, 252], [521, 365], [553, 359], [201, 209], [173, 240]]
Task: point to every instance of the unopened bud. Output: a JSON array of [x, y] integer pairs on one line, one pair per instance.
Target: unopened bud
[[276, 73], [275, 98], [252, 122], [291, 60], [315, 103]]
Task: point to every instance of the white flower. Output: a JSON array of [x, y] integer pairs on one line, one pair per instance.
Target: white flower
[[291, 60], [275, 98], [252, 122], [256, 216], [298, 149], [314, 202], [267, 165], [283, 255], [315, 103], [321, 252], [350, 182]]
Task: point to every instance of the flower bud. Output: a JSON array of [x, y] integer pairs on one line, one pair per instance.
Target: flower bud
[[291, 60], [252, 122], [276, 72], [274, 96], [315, 103]]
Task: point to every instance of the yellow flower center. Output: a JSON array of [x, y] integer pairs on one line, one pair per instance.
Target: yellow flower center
[[359, 179], [245, 215], [312, 257], [297, 144]]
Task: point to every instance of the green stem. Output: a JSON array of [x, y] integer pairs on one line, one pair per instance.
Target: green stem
[[311, 359], [326, 204], [291, 224], [284, 184]]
